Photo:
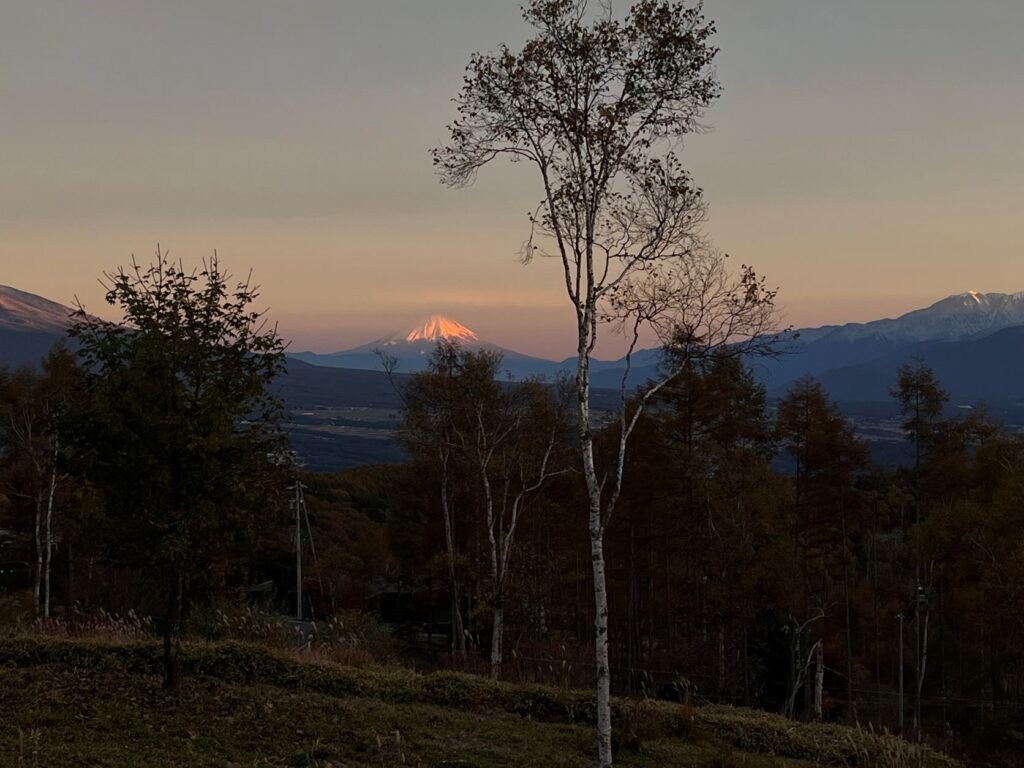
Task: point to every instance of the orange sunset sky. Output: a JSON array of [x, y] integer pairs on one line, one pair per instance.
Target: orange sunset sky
[[866, 156]]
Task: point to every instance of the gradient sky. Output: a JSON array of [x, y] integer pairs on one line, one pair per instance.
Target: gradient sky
[[867, 156]]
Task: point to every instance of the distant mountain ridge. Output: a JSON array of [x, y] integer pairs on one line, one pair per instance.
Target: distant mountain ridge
[[833, 353], [989, 368], [29, 326], [23, 311], [412, 349], [963, 317], [953, 318], [974, 340]]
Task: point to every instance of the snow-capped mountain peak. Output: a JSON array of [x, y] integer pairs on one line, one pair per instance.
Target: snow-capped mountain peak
[[438, 328], [425, 336], [954, 318]]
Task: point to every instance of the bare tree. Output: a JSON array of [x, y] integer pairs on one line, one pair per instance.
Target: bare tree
[[520, 449], [504, 439], [32, 408], [427, 427], [597, 105]]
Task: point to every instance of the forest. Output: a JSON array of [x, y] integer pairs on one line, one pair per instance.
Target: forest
[[755, 558]]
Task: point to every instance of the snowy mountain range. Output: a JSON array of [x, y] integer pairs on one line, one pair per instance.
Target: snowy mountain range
[[856, 361], [954, 318]]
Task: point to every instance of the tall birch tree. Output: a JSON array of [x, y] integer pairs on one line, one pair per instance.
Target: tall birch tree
[[598, 105]]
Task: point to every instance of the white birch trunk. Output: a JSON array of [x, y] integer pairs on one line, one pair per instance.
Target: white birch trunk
[[49, 543], [604, 710], [497, 636], [819, 679], [596, 525], [37, 572]]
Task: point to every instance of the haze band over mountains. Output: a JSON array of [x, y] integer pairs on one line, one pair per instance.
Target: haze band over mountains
[[974, 342]]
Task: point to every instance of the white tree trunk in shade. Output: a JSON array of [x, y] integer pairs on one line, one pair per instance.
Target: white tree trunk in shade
[[37, 571], [49, 542], [497, 637], [819, 679]]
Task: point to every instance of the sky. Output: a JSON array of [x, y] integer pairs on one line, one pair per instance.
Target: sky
[[865, 156]]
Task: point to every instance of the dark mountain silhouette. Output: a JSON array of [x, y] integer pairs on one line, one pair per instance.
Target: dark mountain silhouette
[[990, 368], [962, 317]]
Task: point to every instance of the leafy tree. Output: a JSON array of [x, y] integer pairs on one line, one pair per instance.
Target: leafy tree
[[178, 430], [594, 105], [698, 497], [826, 453]]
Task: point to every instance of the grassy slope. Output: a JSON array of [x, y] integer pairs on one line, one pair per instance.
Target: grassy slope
[[67, 704]]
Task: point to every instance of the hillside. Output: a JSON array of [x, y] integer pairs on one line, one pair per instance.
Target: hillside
[[848, 357], [29, 326], [71, 703], [990, 368]]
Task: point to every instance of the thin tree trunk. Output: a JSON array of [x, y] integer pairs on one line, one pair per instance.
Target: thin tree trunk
[[596, 526], [604, 712], [497, 635], [49, 542], [172, 635], [850, 714], [721, 657], [921, 673], [796, 674], [819, 679], [37, 571], [458, 635]]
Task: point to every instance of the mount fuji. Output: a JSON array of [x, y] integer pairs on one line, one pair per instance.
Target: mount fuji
[[412, 349]]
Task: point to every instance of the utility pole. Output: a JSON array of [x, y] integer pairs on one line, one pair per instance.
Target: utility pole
[[920, 604], [900, 617], [297, 502]]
